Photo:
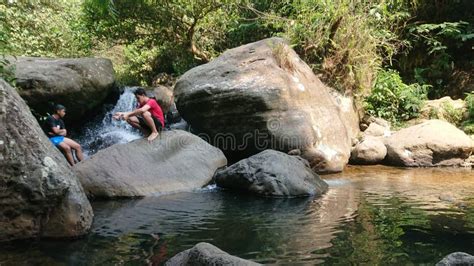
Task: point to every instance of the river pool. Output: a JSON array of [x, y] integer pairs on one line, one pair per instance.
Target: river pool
[[370, 215]]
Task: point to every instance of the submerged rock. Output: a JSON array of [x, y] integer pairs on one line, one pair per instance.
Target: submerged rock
[[456, 258], [39, 194], [432, 143], [81, 84], [175, 161], [263, 96], [206, 254], [273, 174]]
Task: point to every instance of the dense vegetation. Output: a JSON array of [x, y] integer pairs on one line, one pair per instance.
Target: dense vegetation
[[390, 54]]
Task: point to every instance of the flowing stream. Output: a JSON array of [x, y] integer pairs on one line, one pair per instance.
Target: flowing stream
[[107, 131], [372, 215]]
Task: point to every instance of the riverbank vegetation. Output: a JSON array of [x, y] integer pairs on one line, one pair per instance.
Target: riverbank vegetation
[[389, 54]]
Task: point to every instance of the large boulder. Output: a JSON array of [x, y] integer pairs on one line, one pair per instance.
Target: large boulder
[[39, 193], [175, 161], [456, 258], [206, 254], [80, 84], [432, 143], [263, 96], [272, 174]]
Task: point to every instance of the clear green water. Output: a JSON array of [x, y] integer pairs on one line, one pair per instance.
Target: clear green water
[[371, 215]]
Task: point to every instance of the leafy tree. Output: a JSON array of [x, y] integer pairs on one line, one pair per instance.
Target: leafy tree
[[177, 34], [43, 28], [394, 100]]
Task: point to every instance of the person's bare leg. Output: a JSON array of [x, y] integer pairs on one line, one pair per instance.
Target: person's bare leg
[[134, 122], [67, 152], [151, 124], [76, 147]]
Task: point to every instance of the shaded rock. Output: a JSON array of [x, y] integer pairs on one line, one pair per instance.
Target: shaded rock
[[206, 254], [80, 84], [273, 174], [176, 161], [456, 258], [39, 194], [164, 97], [432, 143], [263, 96], [371, 150], [460, 83]]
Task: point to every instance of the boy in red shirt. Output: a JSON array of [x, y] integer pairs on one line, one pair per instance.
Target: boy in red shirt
[[148, 115]]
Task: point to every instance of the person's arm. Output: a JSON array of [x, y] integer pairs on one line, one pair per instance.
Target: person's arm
[[135, 112], [57, 131]]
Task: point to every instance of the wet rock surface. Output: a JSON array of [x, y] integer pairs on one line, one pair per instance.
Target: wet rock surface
[[40, 196], [272, 174]]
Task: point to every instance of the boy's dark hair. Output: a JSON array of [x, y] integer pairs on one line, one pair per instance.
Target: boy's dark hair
[[140, 91], [58, 107]]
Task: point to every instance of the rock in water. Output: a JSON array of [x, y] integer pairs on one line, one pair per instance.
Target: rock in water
[[272, 174], [371, 150], [432, 143], [39, 193], [206, 254], [263, 96], [175, 161], [456, 258], [81, 84]]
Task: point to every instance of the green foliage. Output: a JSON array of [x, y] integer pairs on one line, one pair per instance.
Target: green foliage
[[470, 104], [44, 28], [161, 36], [7, 71], [468, 125], [451, 114], [348, 43], [348, 57], [439, 40], [394, 100]]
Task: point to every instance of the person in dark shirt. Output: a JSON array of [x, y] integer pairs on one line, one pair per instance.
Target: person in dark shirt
[[56, 132], [147, 117]]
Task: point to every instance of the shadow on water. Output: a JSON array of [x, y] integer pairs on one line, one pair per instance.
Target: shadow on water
[[370, 215]]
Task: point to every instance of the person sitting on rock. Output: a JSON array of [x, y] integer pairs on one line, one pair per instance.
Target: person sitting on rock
[[148, 117], [56, 131]]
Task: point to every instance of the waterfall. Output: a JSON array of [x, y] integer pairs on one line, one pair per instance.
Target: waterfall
[[108, 131]]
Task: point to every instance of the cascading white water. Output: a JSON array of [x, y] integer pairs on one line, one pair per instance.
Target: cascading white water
[[110, 131]]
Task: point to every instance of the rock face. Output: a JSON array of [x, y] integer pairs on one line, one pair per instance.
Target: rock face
[[39, 194], [164, 97], [263, 96], [377, 130], [176, 161], [206, 254], [432, 143], [457, 258], [272, 174], [371, 150], [80, 84]]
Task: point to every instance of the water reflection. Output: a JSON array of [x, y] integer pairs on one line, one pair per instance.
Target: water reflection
[[373, 215]]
